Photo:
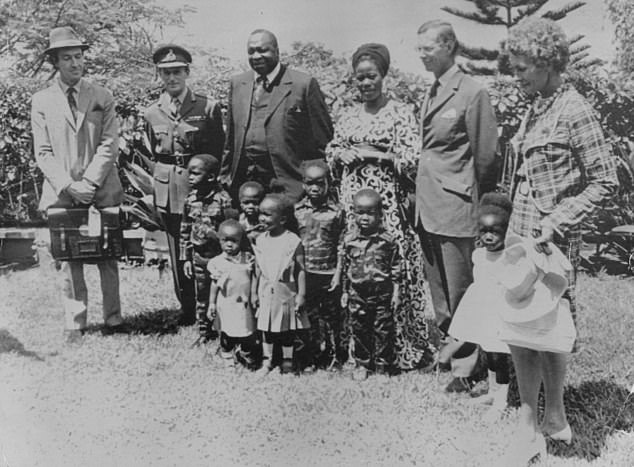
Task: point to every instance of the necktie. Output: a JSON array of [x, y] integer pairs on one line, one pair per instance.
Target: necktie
[[72, 103], [261, 85], [174, 108], [433, 91]]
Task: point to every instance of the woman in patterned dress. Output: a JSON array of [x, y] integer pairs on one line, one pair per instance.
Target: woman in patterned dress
[[375, 146]]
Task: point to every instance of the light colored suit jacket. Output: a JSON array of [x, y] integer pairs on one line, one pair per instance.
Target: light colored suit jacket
[[298, 126], [68, 151], [457, 163]]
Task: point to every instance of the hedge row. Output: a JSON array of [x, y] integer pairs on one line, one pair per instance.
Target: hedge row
[[20, 179]]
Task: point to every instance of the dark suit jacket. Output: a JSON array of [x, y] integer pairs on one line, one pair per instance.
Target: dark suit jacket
[[457, 162], [298, 126]]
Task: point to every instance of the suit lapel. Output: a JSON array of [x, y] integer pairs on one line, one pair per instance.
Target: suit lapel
[[242, 97], [446, 93], [280, 91]]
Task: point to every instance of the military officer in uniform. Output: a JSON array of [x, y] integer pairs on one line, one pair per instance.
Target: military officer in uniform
[[180, 124]]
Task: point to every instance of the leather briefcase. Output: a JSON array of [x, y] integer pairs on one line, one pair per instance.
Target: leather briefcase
[[85, 233]]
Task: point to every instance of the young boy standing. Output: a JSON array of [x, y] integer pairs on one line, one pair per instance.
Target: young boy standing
[[205, 208], [371, 269], [321, 228]]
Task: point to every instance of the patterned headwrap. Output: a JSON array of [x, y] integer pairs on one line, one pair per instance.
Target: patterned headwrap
[[378, 53]]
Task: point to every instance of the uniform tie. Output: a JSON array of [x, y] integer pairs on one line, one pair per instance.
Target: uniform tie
[[261, 85], [72, 103], [174, 108]]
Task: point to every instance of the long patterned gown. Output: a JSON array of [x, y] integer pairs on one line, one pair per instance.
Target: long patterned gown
[[393, 129]]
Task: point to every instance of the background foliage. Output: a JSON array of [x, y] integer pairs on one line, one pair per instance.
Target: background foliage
[[121, 43]]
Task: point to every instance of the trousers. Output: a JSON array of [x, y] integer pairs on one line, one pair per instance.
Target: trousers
[[449, 269], [371, 321], [183, 285], [75, 294], [323, 340], [203, 285]]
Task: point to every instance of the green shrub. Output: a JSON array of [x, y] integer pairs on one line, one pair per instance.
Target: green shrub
[[20, 180]]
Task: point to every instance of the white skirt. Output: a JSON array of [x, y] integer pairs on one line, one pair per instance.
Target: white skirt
[[553, 332]]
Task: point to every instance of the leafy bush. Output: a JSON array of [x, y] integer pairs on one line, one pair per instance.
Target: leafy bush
[[20, 179]]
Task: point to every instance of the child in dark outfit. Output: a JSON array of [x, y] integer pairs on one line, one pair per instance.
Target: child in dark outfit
[[371, 269], [321, 223], [205, 208]]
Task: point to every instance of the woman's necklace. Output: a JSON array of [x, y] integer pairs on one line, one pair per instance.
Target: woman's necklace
[[542, 104]]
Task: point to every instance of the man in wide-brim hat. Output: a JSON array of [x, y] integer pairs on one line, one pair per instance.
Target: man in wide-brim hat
[[75, 140], [179, 124]]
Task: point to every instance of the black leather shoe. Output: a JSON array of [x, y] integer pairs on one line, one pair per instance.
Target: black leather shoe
[[122, 328], [287, 367], [458, 385]]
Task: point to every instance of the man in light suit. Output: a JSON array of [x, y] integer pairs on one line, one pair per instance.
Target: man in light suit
[[75, 140], [457, 165], [277, 118]]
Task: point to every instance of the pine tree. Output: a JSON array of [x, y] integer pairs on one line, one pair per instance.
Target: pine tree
[[508, 13]]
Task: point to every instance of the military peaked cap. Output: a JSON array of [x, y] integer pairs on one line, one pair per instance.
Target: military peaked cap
[[171, 56]]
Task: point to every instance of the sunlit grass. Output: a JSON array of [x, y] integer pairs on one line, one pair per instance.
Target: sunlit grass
[[151, 399]]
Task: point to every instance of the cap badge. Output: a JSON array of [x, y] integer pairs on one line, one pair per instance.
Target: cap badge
[[170, 57]]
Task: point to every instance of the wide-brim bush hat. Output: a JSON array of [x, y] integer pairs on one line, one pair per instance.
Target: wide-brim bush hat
[[171, 56], [64, 37], [534, 282]]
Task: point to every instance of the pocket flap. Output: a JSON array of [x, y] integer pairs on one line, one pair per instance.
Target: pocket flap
[[454, 186], [162, 173]]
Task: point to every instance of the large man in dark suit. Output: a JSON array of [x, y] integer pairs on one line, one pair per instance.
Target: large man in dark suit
[[277, 118], [457, 165], [180, 124]]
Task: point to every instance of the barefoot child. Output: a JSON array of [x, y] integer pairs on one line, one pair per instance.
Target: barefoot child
[[321, 223], [232, 274], [250, 196], [477, 318], [371, 269], [281, 282], [205, 208]]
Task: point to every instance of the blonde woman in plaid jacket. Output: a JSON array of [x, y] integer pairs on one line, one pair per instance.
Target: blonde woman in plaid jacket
[[565, 171]]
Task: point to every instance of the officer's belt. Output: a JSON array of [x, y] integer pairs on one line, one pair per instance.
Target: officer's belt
[[173, 159]]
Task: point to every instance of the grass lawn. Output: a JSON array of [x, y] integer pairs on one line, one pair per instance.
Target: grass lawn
[[149, 399]]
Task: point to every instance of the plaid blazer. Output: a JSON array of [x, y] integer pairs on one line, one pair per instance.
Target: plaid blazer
[[566, 160]]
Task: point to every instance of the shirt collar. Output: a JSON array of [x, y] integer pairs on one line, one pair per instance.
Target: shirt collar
[[65, 87], [376, 234], [181, 97], [272, 75], [198, 195], [447, 75]]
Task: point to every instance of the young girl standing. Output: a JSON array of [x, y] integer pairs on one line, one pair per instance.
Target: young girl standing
[[477, 318], [231, 297], [281, 282]]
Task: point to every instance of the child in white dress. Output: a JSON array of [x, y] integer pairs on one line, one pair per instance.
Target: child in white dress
[[477, 318], [281, 282], [231, 296]]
